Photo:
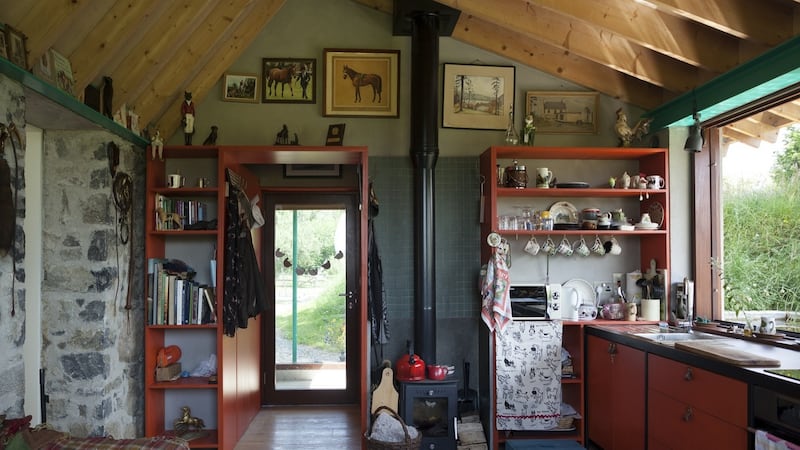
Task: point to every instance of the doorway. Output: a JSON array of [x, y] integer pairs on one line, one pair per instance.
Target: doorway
[[311, 331]]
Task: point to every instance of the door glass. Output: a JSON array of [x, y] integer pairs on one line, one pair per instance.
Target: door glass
[[310, 309]]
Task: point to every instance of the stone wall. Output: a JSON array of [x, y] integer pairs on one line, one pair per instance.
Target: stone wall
[[92, 346], [12, 328]]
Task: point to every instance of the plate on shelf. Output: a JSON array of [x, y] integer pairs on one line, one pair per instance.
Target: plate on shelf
[[573, 185], [564, 212], [585, 290], [656, 211]]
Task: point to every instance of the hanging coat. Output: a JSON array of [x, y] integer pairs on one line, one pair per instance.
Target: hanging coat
[[378, 314]]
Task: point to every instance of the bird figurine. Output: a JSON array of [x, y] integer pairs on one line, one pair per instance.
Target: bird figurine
[[212, 137], [287, 263], [625, 133], [279, 253]]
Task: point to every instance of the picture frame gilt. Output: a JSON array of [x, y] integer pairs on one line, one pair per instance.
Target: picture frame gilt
[[361, 83], [560, 112], [15, 47], [288, 80], [477, 96], [240, 87]]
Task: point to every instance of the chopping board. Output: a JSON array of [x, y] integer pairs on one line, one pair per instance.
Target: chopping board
[[385, 394], [722, 351]]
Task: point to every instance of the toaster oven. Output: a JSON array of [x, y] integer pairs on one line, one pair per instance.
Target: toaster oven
[[535, 301]]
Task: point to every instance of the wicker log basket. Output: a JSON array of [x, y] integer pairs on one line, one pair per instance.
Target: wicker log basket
[[408, 444]]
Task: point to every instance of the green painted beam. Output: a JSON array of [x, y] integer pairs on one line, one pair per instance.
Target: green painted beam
[[39, 90], [771, 72]]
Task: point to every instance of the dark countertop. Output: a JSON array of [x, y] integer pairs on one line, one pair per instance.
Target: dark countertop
[[789, 358]]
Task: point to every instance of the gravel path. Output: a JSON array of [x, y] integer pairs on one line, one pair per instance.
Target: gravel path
[[305, 354]]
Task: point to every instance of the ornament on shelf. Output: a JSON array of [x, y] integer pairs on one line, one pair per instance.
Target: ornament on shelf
[[528, 131], [187, 422], [511, 132]]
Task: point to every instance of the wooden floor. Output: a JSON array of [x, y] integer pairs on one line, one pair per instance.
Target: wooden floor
[[304, 427]]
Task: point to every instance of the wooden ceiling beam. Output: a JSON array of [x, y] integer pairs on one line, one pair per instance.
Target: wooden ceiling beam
[[789, 110], [653, 29], [227, 49], [769, 24], [755, 129], [734, 135], [161, 86], [556, 62], [111, 41], [14, 12], [586, 41]]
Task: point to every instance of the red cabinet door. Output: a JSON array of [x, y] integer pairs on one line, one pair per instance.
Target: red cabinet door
[[615, 387]]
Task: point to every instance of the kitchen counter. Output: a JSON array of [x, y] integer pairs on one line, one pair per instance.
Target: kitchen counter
[[788, 357]]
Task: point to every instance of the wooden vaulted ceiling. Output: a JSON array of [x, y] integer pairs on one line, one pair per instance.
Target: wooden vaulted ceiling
[[643, 52]]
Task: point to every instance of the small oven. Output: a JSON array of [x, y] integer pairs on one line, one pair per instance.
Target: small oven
[[535, 301]]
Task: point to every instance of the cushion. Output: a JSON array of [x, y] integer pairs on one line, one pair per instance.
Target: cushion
[[10, 427]]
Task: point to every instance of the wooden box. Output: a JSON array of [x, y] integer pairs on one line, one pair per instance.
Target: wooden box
[[168, 373]]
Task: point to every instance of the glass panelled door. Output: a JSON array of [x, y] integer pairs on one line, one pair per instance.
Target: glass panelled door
[[311, 350]]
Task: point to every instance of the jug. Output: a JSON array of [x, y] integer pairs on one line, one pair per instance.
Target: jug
[[569, 309]]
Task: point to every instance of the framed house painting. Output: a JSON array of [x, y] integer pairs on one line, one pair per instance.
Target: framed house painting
[[477, 97], [240, 87], [562, 112], [15, 47], [361, 83], [312, 170], [288, 80]]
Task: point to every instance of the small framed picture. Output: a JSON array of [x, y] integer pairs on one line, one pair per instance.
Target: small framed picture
[[361, 83], [288, 80], [476, 96], [312, 170], [335, 134], [3, 44], [15, 47], [240, 87], [44, 67], [62, 71], [558, 112]]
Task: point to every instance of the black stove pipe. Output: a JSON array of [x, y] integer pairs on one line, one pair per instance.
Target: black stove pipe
[[424, 154]]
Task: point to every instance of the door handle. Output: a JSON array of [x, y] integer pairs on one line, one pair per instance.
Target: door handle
[[351, 298]]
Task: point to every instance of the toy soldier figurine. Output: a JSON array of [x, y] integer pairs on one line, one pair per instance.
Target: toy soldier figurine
[[187, 118]]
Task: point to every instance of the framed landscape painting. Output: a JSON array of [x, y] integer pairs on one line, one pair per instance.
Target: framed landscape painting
[[239, 87], [477, 97], [562, 112], [361, 83], [288, 80]]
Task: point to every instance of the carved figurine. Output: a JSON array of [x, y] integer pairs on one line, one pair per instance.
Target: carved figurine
[[187, 422], [212, 137], [157, 146], [627, 134], [187, 117]]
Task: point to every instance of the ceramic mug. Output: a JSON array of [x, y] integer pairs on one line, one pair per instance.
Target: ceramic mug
[[565, 247], [543, 177], [612, 246], [598, 247], [581, 248], [645, 219], [532, 246], [655, 182], [549, 247], [175, 180], [767, 325], [630, 311]]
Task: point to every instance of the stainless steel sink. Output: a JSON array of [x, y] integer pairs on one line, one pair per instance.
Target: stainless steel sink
[[672, 337]]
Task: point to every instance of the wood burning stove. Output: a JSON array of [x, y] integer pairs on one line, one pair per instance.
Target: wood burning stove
[[430, 406]]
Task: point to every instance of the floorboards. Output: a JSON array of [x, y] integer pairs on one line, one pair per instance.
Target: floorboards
[[304, 427]]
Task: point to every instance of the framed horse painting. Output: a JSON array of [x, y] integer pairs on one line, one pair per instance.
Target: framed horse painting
[[361, 83], [476, 96], [288, 80]]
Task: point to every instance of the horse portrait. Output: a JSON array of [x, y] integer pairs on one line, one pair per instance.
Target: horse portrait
[[364, 79], [282, 76]]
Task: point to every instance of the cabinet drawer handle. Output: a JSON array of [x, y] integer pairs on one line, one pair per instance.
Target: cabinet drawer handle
[[687, 416], [688, 376], [612, 348]]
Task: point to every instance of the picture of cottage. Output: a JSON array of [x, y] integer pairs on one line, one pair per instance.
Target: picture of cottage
[[563, 112]]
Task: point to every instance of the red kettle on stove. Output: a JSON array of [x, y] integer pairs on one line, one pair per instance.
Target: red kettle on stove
[[410, 367]]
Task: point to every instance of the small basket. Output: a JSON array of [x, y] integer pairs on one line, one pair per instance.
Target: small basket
[[408, 444], [565, 422]]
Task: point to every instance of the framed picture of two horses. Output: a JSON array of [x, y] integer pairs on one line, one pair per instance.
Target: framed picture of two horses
[[361, 83], [288, 80]]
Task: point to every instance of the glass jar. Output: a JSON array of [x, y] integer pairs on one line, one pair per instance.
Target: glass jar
[[547, 221], [516, 176]]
